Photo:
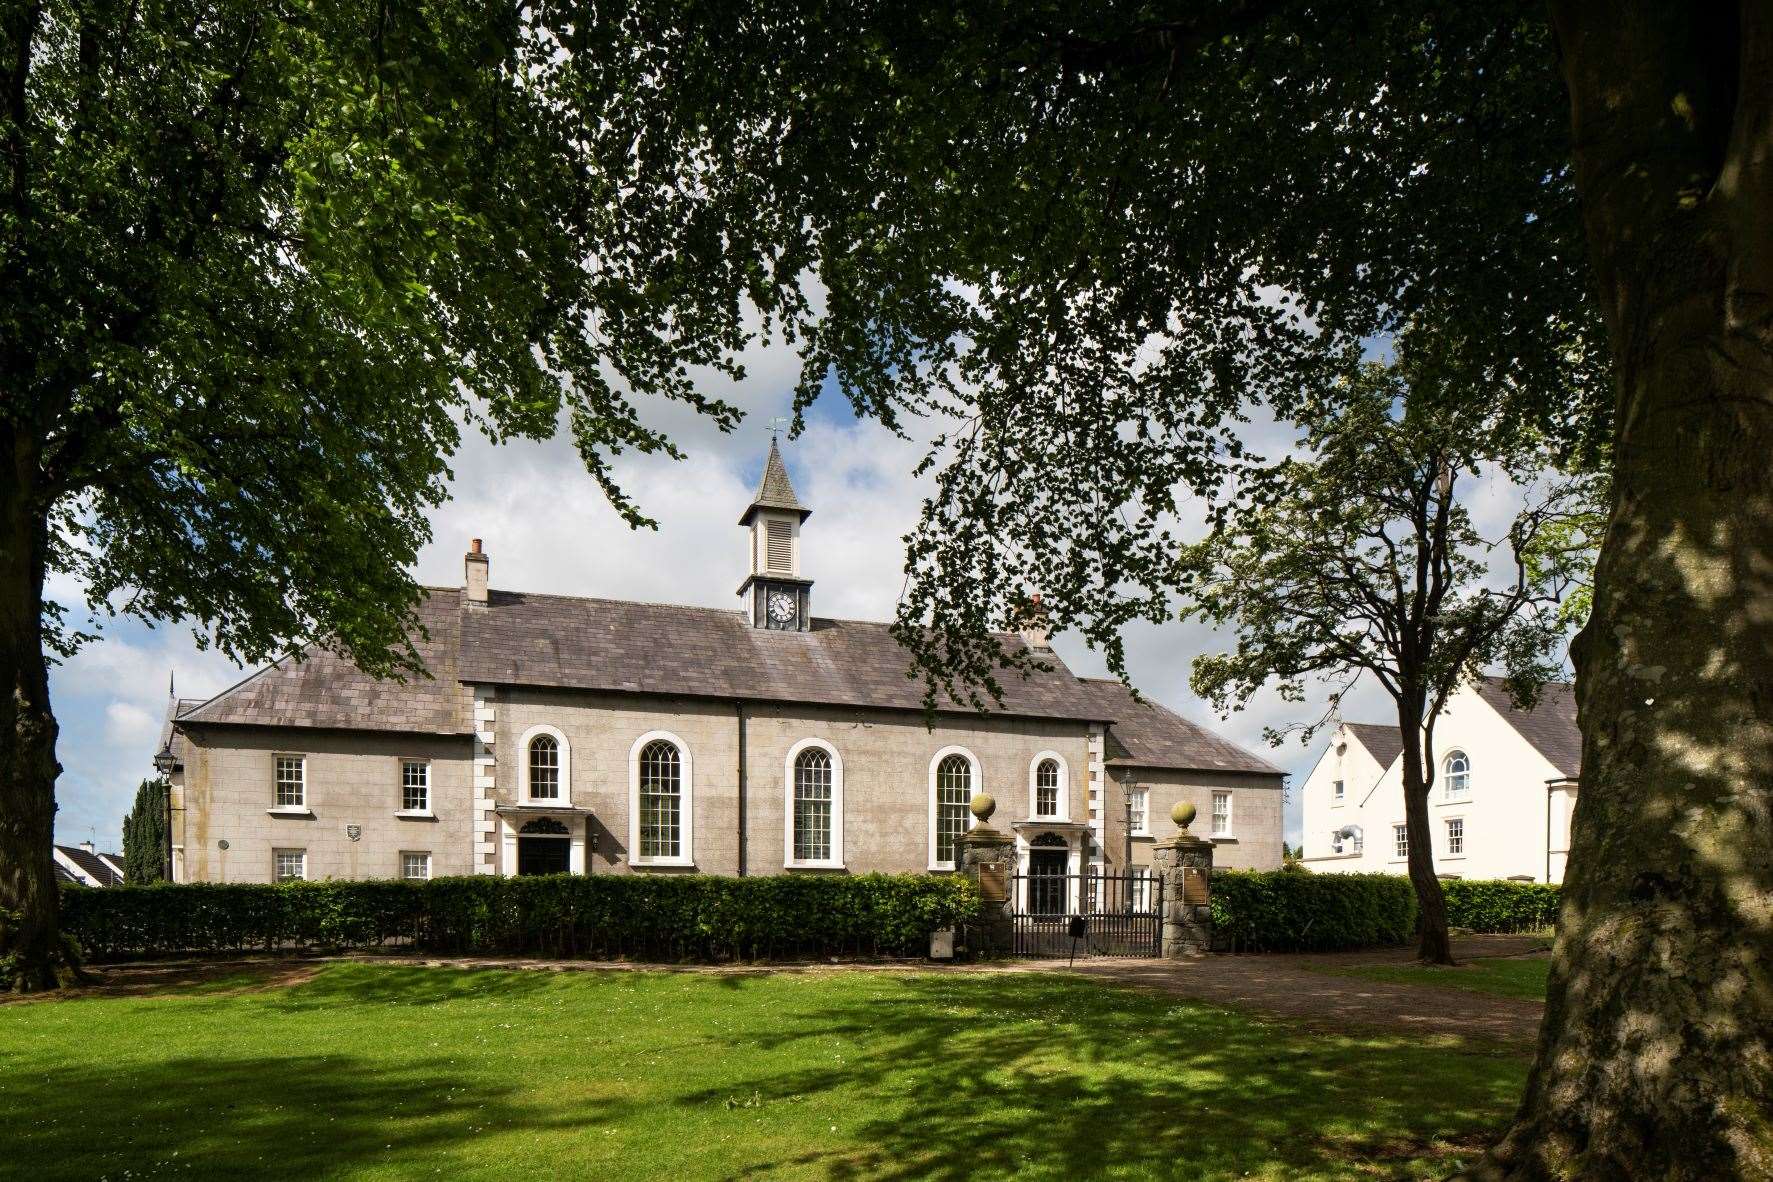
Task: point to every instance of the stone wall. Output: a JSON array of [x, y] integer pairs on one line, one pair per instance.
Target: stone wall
[[885, 755], [1255, 841], [228, 789]]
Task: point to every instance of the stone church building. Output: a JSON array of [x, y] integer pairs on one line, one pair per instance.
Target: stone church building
[[560, 734]]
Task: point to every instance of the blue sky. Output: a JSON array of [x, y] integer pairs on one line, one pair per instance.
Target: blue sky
[[547, 528]]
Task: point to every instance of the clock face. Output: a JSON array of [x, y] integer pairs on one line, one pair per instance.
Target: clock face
[[781, 607]]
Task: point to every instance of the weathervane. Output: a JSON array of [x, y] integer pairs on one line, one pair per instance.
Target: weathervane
[[776, 426]]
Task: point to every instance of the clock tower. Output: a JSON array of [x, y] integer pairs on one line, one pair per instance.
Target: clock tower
[[774, 593]]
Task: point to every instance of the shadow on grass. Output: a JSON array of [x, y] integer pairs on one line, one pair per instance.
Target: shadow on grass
[[998, 1075], [278, 1115], [946, 1076]]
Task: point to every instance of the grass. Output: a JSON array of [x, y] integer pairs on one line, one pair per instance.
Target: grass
[[377, 1071], [1503, 976]]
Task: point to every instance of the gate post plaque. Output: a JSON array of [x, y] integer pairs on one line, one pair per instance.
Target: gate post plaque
[[1185, 864], [986, 856]]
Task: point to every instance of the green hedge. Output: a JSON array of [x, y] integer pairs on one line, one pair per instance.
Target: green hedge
[[1297, 911], [1500, 906], [675, 917]]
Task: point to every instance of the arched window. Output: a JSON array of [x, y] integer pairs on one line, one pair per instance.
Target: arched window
[[812, 806], [1046, 788], [544, 768], [661, 800], [953, 792], [1458, 775]]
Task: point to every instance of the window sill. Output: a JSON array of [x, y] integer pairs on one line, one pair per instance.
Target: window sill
[[1224, 837], [1142, 835], [814, 866], [1452, 857], [1466, 799], [941, 867], [415, 814], [672, 863], [290, 810]]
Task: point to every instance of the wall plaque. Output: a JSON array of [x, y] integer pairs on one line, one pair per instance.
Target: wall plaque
[[993, 885], [1194, 886]]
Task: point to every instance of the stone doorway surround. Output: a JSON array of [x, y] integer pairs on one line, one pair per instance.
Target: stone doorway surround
[[1074, 834], [513, 818]]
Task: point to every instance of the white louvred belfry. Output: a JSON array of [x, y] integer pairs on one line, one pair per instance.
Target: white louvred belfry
[[776, 594]]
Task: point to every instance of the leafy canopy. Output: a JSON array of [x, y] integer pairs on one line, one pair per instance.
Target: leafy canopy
[[265, 260], [1090, 238]]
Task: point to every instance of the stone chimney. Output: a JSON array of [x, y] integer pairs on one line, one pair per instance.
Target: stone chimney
[[475, 567], [1034, 626]]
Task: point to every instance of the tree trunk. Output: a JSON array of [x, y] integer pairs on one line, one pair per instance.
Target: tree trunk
[[1656, 1056], [28, 769], [1433, 946]]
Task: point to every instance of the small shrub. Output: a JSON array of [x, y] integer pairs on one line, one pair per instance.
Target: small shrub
[[1500, 906], [678, 917], [1291, 911]]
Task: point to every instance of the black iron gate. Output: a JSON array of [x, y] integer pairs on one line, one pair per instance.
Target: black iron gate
[[1122, 914]]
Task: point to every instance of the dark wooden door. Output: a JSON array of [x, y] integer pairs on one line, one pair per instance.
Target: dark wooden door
[[543, 855], [1047, 880]]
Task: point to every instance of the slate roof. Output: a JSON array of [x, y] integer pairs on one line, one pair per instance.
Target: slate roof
[[93, 864], [617, 646], [774, 491], [612, 645], [325, 690], [1147, 734], [1550, 726], [1384, 743]]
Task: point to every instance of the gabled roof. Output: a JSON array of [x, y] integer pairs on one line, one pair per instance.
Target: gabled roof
[[1549, 727], [650, 648], [1147, 734], [326, 690], [1383, 743], [774, 491], [92, 865]]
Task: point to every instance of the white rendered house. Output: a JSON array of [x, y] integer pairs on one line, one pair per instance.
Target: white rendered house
[[1499, 807]]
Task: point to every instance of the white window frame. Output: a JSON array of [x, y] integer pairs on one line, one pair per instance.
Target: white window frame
[[277, 856], [1213, 814], [300, 808], [403, 810], [1063, 805], [686, 805], [1338, 792], [975, 785], [835, 861], [1455, 837], [1400, 841], [425, 854], [565, 751], [1447, 792], [1142, 813]]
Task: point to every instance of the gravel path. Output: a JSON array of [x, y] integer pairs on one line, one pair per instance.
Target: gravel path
[[1295, 987], [1288, 986]]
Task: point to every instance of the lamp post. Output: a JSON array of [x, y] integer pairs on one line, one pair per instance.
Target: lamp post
[[165, 762], [1126, 795]]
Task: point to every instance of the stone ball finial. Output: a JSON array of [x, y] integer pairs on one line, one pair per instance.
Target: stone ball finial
[[1183, 814], [982, 807]]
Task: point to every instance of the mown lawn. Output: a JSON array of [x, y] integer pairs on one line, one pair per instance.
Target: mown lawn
[[1504, 976], [373, 1071]]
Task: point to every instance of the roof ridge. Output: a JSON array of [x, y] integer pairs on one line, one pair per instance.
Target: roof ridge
[[700, 607]]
